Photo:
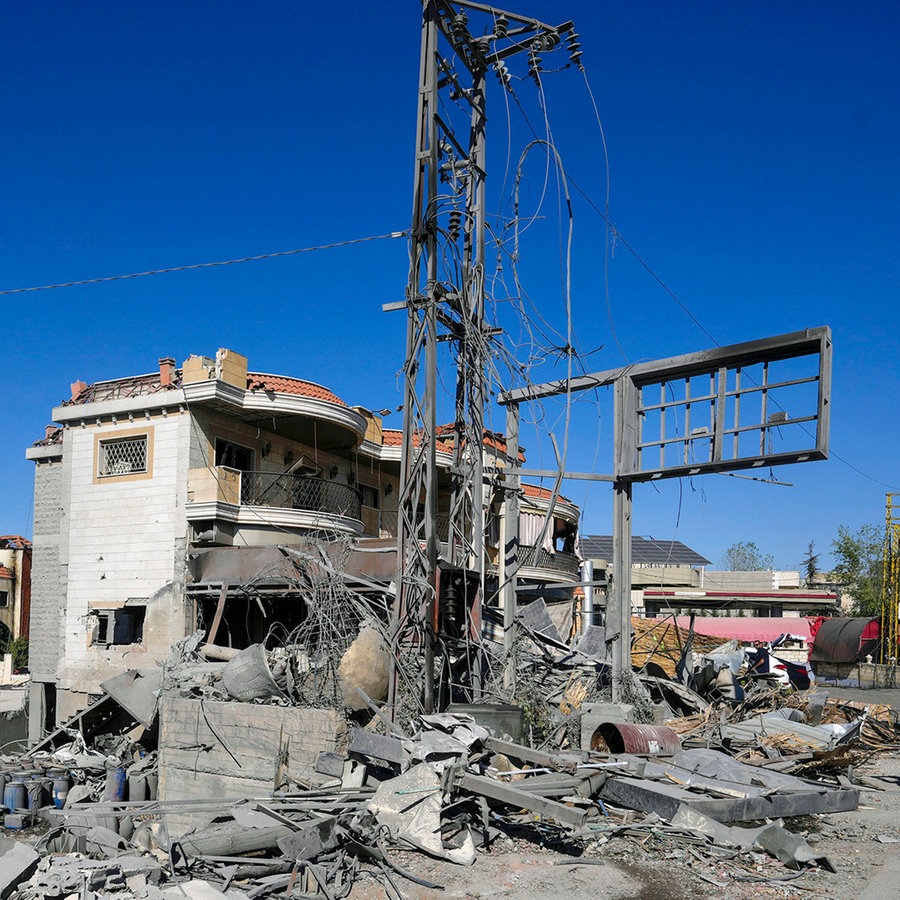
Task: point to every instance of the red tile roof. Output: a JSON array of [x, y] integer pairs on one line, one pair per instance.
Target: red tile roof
[[393, 438], [493, 439], [498, 442], [14, 542], [132, 386], [53, 437], [281, 384], [533, 490], [7, 573]]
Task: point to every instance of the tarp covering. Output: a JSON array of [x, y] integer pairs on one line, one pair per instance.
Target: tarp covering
[[845, 640], [743, 628]]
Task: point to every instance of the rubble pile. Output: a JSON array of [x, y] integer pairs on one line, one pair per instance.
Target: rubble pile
[[215, 776]]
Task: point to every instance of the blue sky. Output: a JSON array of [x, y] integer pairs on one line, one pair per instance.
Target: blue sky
[[752, 159]]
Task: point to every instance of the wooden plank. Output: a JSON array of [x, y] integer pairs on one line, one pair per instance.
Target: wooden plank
[[217, 619]]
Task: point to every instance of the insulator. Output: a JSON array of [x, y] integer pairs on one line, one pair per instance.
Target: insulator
[[534, 66], [551, 39], [458, 26], [574, 47], [501, 24], [502, 71], [453, 607], [455, 220]]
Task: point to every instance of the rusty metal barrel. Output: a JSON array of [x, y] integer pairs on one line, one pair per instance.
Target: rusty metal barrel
[[623, 737]]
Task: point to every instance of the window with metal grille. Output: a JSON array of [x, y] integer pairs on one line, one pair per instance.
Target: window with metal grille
[[125, 456]]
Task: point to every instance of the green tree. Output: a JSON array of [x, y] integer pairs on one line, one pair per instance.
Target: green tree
[[810, 562], [745, 556], [19, 650], [859, 567]]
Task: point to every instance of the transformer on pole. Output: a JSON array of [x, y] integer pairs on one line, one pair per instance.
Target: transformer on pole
[[445, 300]]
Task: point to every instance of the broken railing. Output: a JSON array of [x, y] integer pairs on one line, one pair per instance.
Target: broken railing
[[306, 492]]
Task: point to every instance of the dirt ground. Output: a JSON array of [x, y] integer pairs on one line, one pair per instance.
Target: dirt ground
[[863, 846]]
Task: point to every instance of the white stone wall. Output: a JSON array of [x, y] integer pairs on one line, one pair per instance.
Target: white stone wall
[[48, 575], [125, 540]]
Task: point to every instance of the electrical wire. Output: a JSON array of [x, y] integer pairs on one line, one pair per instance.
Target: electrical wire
[[205, 265]]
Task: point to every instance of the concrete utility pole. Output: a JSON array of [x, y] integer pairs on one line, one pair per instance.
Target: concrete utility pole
[[445, 303]]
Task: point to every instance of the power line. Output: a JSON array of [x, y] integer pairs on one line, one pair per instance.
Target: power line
[[205, 265]]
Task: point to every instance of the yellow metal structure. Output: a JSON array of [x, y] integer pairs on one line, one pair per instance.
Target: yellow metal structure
[[890, 589]]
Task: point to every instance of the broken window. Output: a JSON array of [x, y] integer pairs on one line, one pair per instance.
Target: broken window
[[234, 456], [123, 456], [120, 626], [249, 619]]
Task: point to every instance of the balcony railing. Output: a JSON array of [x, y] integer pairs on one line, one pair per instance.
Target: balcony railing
[[299, 492], [387, 524], [539, 558]]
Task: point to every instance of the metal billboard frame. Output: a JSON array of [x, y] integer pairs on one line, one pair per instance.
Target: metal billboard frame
[[630, 446]]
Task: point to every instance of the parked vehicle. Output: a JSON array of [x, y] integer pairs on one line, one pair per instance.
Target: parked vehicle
[[786, 673], [799, 675]]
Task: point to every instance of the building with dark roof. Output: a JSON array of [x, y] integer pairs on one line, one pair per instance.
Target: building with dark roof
[[645, 551]]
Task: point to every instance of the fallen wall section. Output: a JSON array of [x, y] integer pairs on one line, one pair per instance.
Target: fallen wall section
[[232, 750]]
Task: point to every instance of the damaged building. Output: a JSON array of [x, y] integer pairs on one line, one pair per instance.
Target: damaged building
[[162, 501]]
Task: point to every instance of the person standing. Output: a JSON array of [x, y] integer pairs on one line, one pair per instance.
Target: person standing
[[760, 665]]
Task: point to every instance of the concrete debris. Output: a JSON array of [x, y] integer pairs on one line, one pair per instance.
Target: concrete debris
[[137, 692], [18, 862], [281, 771]]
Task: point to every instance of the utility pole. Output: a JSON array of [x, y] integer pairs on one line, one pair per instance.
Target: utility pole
[[445, 299]]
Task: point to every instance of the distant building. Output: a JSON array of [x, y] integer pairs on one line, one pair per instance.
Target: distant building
[[15, 588], [667, 577]]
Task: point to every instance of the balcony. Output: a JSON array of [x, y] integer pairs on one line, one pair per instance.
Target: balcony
[[566, 565], [305, 492], [250, 500]]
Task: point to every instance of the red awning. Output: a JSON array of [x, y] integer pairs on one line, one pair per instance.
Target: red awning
[[742, 628]]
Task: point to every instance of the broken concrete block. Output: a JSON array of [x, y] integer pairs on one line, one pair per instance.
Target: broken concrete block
[[18, 862], [329, 763], [137, 692], [232, 839], [377, 746], [483, 786], [789, 848], [310, 841]]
